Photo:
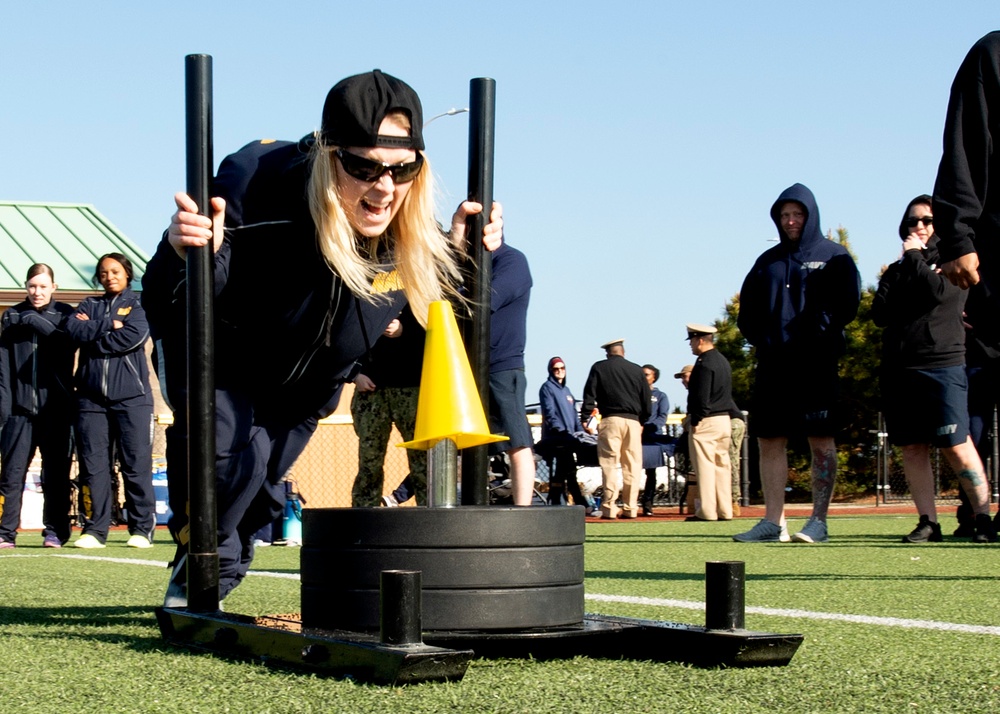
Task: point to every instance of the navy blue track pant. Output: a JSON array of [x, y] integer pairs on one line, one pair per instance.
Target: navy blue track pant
[[49, 432], [127, 425], [253, 453]]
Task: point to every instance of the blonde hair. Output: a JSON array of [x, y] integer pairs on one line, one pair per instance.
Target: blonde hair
[[418, 249]]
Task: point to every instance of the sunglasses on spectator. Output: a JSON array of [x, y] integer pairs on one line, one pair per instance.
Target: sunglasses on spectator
[[560, 368], [370, 171], [912, 222]]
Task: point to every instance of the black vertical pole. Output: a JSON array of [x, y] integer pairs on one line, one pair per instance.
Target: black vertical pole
[[725, 594], [482, 105], [203, 555], [399, 607]]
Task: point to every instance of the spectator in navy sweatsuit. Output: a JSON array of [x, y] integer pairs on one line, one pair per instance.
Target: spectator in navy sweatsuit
[[36, 373], [563, 436], [654, 436], [114, 405]]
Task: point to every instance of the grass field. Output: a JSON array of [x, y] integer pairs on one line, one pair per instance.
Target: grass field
[[888, 628]]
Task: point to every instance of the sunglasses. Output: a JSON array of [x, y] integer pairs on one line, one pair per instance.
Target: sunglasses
[[913, 222], [558, 369], [370, 171]]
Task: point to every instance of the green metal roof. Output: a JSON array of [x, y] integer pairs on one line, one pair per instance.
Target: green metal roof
[[69, 237]]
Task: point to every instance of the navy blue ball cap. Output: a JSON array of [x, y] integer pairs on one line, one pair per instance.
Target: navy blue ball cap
[[356, 106]]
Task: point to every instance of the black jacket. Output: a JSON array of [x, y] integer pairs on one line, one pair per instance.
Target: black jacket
[[921, 312], [966, 206], [966, 197], [710, 391], [36, 359], [617, 387]]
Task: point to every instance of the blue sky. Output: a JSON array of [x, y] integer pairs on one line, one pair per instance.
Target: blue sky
[[638, 148]]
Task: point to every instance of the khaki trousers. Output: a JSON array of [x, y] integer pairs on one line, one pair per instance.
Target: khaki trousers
[[620, 440], [710, 442]]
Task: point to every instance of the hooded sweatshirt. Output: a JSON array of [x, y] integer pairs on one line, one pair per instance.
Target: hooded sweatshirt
[[559, 415], [921, 312], [799, 295], [966, 205]]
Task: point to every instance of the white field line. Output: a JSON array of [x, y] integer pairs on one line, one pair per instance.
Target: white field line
[[902, 622], [809, 615], [155, 563]]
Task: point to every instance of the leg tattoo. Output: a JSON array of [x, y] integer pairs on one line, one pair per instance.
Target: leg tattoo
[[973, 482], [972, 476], [824, 471]]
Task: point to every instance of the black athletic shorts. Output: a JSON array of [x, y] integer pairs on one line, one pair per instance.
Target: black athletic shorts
[[795, 398]]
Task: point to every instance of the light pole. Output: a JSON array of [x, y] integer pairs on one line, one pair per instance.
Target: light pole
[[450, 113]]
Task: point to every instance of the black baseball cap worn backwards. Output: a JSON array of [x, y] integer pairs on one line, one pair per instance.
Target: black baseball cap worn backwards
[[356, 106]]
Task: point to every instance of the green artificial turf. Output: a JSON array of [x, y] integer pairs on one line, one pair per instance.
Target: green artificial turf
[[80, 633]]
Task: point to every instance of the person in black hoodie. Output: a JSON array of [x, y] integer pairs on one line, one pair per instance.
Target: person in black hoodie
[[36, 398], [923, 379], [114, 405], [345, 217], [794, 305], [967, 222], [966, 203]]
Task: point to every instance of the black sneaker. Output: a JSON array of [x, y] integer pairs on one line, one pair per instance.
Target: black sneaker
[[926, 532], [966, 529], [985, 531]]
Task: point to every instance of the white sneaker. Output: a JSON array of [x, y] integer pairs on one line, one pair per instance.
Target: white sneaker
[[814, 531], [390, 501], [783, 536]]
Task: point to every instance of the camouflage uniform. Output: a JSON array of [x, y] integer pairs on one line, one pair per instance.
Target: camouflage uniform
[[735, 451], [374, 414]]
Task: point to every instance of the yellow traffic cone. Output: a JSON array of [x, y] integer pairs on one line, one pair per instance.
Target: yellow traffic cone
[[449, 406]]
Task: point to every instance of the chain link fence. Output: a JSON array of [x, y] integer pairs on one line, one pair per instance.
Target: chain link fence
[[890, 481], [324, 474]]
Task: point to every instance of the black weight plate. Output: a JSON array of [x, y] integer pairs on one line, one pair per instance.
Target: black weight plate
[[461, 527], [489, 609], [359, 568]]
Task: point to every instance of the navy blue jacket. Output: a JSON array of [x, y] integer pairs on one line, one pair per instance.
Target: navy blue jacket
[[291, 342], [799, 295], [112, 365], [559, 414], [397, 361], [36, 359], [511, 289], [659, 409]]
